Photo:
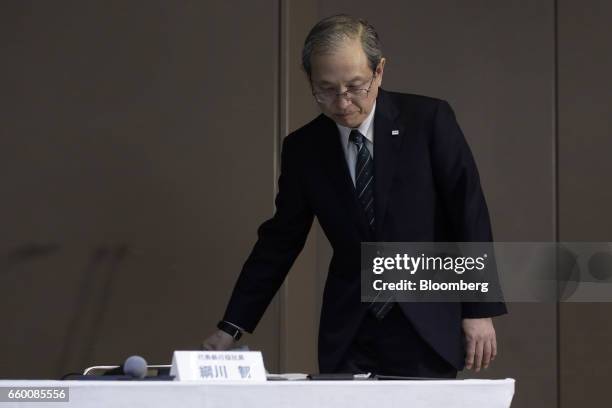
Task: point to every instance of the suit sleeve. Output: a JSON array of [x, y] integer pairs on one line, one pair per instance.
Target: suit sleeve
[[458, 183], [280, 240]]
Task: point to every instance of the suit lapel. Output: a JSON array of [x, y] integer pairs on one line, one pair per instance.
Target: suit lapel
[[388, 135], [338, 172]]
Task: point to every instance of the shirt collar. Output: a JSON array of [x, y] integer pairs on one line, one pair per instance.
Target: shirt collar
[[366, 128]]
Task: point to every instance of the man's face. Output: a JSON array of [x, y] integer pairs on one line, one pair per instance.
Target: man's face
[[344, 69]]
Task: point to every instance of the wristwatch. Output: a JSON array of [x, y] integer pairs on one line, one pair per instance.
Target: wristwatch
[[230, 329]]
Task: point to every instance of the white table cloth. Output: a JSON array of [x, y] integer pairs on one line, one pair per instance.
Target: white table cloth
[[277, 394]]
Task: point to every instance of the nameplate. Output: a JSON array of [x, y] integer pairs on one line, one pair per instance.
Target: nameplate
[[218, 366]]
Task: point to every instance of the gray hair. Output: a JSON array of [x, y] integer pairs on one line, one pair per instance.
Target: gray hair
[[331, 32]]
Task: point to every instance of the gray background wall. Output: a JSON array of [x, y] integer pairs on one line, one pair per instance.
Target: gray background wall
[[140, 147], [138, 158]]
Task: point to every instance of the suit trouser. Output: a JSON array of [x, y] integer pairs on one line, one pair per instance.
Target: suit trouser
[[391, 346]]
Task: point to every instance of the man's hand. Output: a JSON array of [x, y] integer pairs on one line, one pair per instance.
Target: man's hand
[[480, 343], [219, 341]]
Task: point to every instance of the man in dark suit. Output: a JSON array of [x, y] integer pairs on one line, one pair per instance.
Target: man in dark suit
[[374, 166]]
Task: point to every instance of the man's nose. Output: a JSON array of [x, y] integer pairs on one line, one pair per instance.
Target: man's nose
[[342, 101]]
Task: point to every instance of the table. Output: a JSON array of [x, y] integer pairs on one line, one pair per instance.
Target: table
[[277, 394]]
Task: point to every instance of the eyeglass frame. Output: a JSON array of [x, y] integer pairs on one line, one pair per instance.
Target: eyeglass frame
[[346, 94]]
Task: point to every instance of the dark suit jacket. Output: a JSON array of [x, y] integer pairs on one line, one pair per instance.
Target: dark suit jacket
[[426, 189]]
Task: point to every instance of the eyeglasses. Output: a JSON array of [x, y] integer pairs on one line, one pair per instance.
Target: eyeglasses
[[352, 94]]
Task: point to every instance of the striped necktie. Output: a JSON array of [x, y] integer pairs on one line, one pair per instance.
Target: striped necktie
[[364, 176], [364, 186]]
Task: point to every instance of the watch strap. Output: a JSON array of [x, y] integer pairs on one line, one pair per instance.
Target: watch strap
[[230, 329]]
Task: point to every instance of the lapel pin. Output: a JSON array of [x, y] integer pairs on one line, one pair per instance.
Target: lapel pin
[[395, 132]]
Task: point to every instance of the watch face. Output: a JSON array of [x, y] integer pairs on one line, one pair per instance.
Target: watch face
[[237, 335]]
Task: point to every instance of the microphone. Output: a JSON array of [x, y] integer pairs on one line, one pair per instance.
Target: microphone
[[135, 366]]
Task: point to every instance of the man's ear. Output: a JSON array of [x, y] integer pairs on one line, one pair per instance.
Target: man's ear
[[380, 68]]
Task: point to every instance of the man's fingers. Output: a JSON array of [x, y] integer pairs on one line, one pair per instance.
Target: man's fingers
[[470, 350], [486, 355], [478, 355], [494, 348], [481, 343]]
